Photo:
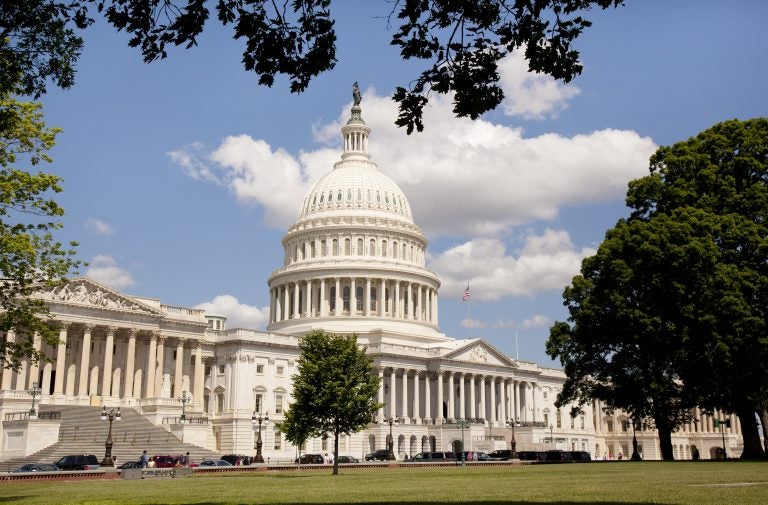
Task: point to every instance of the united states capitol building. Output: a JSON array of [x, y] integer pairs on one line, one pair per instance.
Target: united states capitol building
[[354, 263]]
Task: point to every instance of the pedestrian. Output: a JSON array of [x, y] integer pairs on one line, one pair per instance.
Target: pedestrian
[[185, 459], [143, 459]]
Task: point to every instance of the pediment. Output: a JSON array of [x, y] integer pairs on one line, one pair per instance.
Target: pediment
[[480, 351], [85, 292]]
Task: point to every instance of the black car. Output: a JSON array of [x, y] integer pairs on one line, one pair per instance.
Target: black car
[[348, 459], [428, 457], [558, 457], [310, 459], [501, 454], [78, 462], [237, 459], [580, 456], [377, 455], [531, 455], [128, 465], [37, 467]]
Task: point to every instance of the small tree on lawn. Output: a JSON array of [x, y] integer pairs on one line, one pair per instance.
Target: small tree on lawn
[[333, 391]]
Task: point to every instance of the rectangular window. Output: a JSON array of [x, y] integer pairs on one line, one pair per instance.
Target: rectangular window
[[545, 394], [278, 440], [221, 369], [583, 422], [258, 403], [573, 423], [278, 403], [259, 369], [280, 370]]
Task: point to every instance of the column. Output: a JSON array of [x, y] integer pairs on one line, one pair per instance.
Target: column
[[427, 397], [271, 305], [439, 403], [10, 338], [367, 297], [493, 399], [482, 398], [308, 299], [472, 403], [396, 301], [381, 394], [61, 361], [503, 392], [323, 307], [159, 372], [34, 369], [85, 357], [392, 395], [199, 385], [296, 307], [516, 386], [106, 383], [130, 363], [286, 302], [462, 398], [151, 365], [352, 297], [178, 373], [416, 397], [405, 396], [451, 402], [338, 297], [534, 403], [381, 293], [411, 303]]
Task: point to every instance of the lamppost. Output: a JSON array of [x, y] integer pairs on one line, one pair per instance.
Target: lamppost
[[391, 441], [184, 401], [259, 418], [109, 416], [513, 443], [34, 391], [462, 423], [551, 435]]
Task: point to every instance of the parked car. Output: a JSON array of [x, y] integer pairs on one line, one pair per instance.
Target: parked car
[[473, 456], [166, 461], [37, 467], [78, 462], [310, 459], [531, 455], [433, 456], [501, 454], [237, 459], [557, 456], [215, 462], [580, 456], [377, 455], [348, 459], [128, 465]]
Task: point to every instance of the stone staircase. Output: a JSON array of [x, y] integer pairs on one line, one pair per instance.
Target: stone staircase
[[83, 432]]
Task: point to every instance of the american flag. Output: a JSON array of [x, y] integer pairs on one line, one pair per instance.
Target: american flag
[[466, 294]]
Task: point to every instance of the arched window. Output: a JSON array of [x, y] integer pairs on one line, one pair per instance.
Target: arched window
[[349, 195], [384, 248], [360, 248], [322, 197], [559, 418], [304, 250], [345, 297], [312, 248], [372, 248], [359, 196], [347, 247], [338, 196], [404, 250], [322, 248], [359, 297], [394, 249], [335, 247]]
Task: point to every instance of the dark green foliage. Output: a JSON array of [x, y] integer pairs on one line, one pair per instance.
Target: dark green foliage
[[463, 39], [333, 391], [670, 312]]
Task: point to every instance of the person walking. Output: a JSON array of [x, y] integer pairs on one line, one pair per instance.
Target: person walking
[[144, 459]]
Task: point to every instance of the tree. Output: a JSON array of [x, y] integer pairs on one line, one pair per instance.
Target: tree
[[463, 39], [333, 391], [30, 258], [682, 285]]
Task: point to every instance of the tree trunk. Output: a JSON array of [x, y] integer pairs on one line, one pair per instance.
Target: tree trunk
[[665, 443], [750, 436], [336, 453], [764, 417]]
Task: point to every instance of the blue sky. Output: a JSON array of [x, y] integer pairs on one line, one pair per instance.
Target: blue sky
[[181, 176]]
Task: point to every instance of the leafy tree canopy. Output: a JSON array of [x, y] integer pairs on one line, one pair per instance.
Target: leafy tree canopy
[[30, 258], [463, 40], [333, 391], [670, 312]]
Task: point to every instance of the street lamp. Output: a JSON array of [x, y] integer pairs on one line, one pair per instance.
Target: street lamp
[[635, 454], [259, 418], [391, 441], [184, 401], [109, 416], [513, 443], [34, 391], [551, 435], [462, 423]]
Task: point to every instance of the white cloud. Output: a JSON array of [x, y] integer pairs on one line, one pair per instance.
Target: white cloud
[[239, 315], [537, 321], [103, 269], [472, 323], [546, 262], [531, 95], [99, 227]]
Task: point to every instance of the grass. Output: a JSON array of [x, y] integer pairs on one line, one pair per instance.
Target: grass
[[675, 483]]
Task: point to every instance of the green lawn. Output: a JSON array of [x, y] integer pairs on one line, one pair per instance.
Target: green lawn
[[601, 483]]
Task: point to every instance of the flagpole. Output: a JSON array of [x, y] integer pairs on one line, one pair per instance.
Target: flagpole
[[469, 316], [517, 350]]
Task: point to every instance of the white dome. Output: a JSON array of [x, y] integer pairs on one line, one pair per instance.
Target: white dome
[[355, 188]]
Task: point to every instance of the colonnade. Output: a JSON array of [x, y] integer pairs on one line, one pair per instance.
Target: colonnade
[[82, 367], [424, 397], [353, 296]]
